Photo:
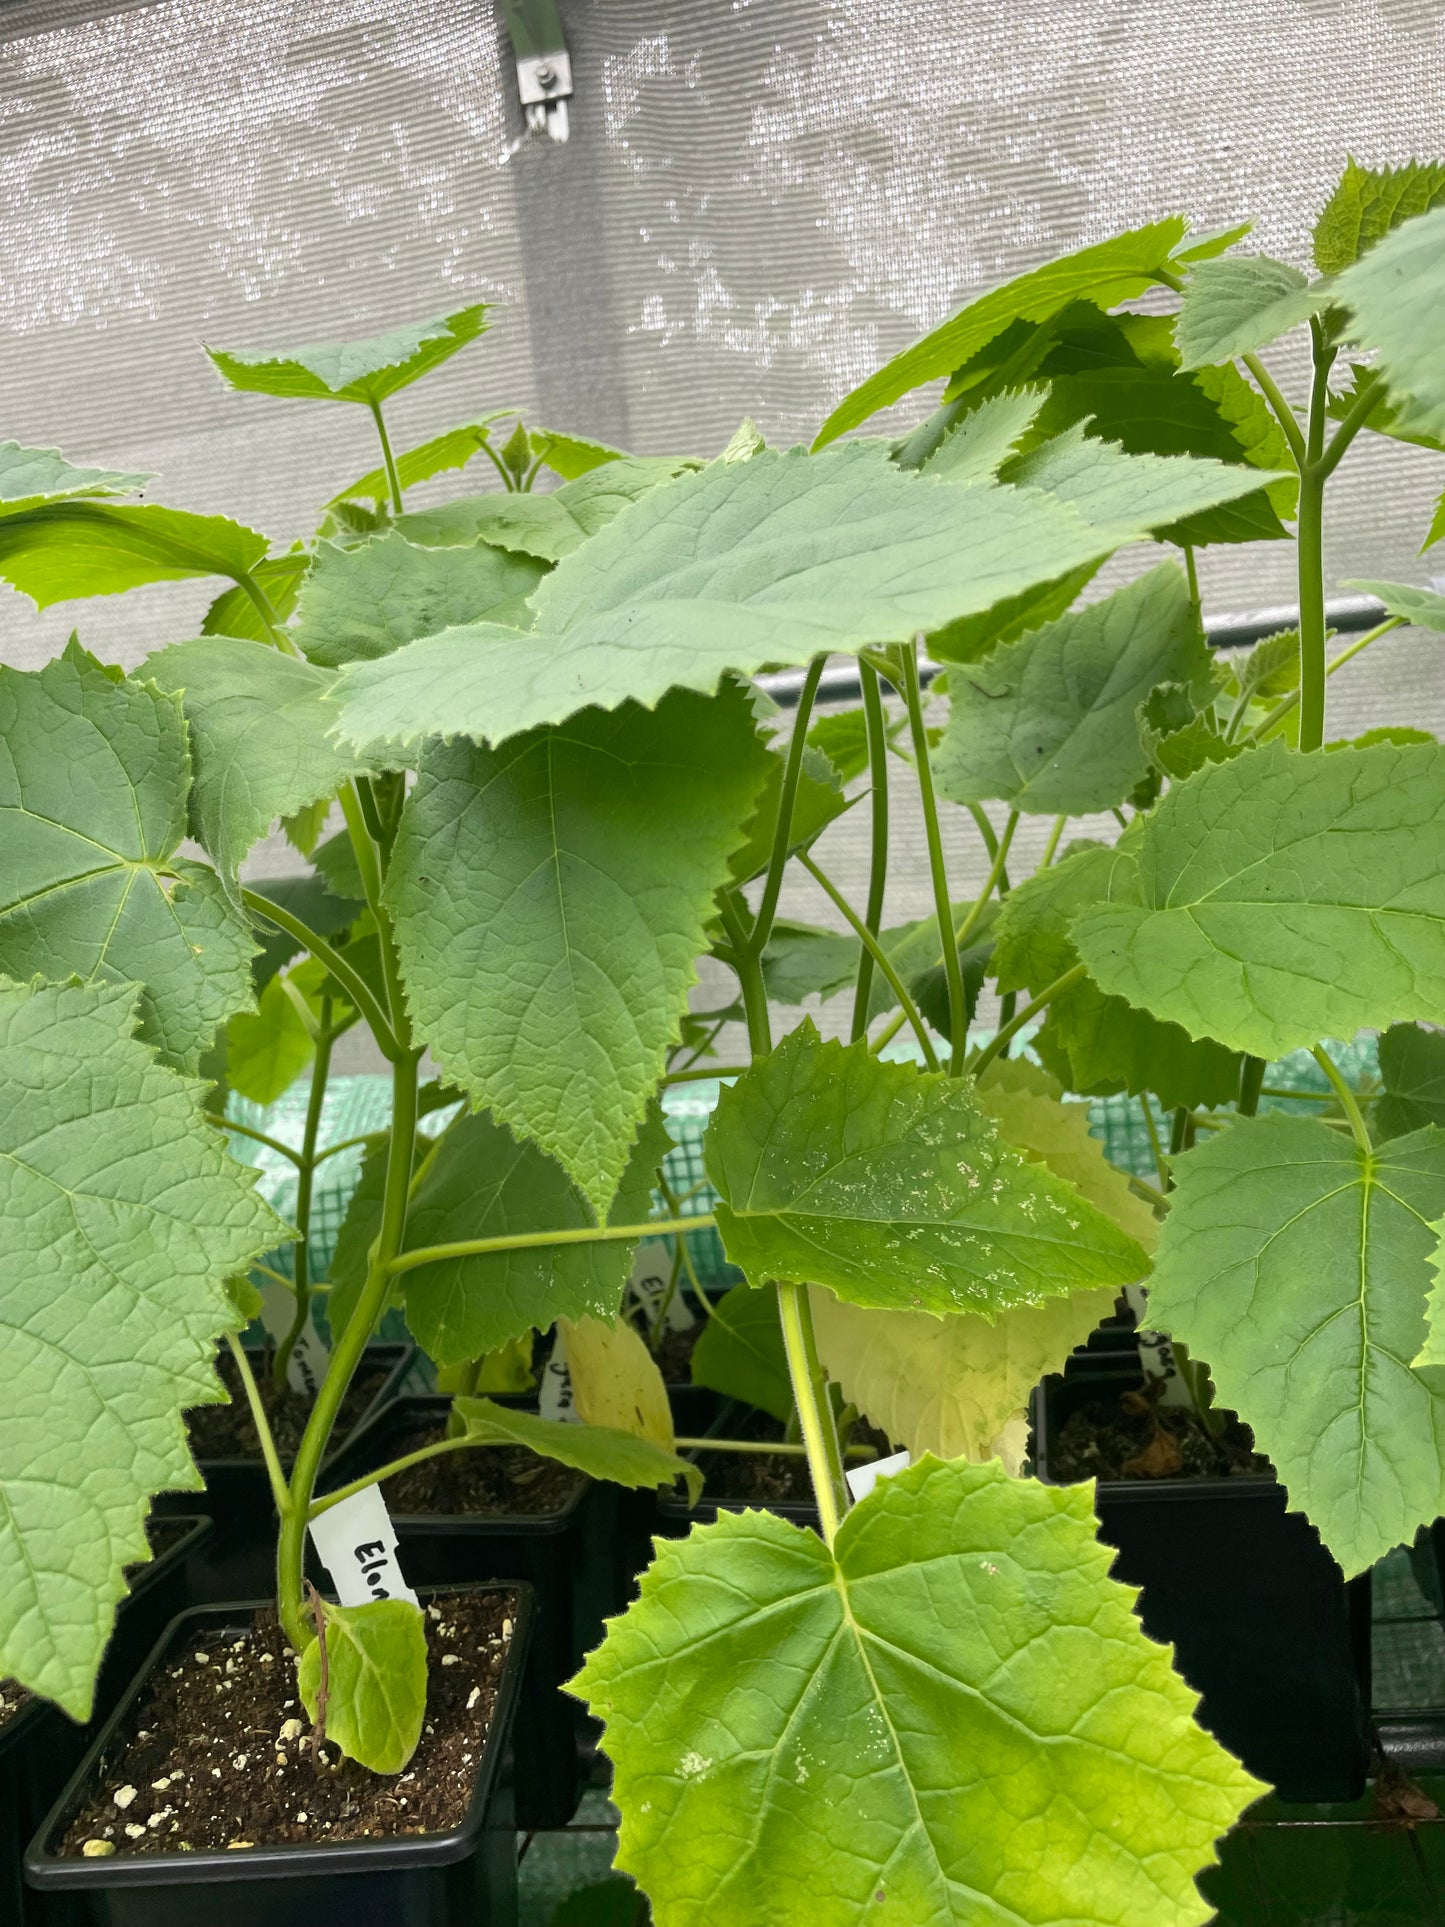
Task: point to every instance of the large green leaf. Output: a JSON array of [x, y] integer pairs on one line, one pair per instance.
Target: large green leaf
[[94, 776], [1098, 1043], [740, 1351], [817, 802], [894, 1188], [268, 1048], [123, 1218], [1412, 1070], [1282, 898], [970, 638], [1422, 608], [761, 562], [940, 1719], [68, 549], [259, 740], [1234, 306], [376, 1684], [545, 526], [1394, 294], [803, 960], [551, 899], [483, 1183], [1047, 724], [30, 476], [453, 448], [1109, 272], [1367, 203], [357, 371], [361, 603], [601, 1451], [1152, 493], [1298, 1266]]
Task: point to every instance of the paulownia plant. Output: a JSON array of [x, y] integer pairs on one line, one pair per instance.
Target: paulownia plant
[[561, 786]]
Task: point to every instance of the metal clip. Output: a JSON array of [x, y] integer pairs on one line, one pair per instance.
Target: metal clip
[[544, 67]]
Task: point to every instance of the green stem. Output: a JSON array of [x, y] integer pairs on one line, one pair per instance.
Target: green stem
[[997, 876], [263, 1431], [389, 1471], [301, 1251], [1345, 1095], [1152, 1194], [365, 850], [1287, 703], [266, 610], [1355, 418], [876, 729], [783, 830], [1181, 1131], [1251, 1080], [1192, 577], [260, 1137], [346, 1144], [999, 1042], [291, 1551], [351, 984], [393, 479], [1161, 1163], [810, 1398], [1309, 541], [588, 1234], [704, 1071], [748, 966], [786, 1447], [1051, 847], [872, 948], [942, 904], [1284, 414]]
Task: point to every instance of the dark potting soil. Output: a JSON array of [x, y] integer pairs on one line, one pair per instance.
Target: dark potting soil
[[226, 1431], [504, 1480], [1127, 1435], [162, 1534], [220, 1753]]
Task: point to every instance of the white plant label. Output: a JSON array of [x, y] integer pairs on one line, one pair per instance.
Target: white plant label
[[862, 1478], [306, 1367], [1161, 1368], [648, 1285], [554, 1394], [356, 1542]]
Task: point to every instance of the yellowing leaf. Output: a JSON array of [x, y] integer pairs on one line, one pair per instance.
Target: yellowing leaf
[[615, 1380]]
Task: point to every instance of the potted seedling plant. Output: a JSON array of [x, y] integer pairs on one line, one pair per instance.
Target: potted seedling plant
[[538, 713]]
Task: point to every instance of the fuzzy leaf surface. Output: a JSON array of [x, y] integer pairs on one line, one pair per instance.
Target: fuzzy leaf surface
[[1282, 898], [30, 476], [485, 1183], [376, 1689], [894, 1189], [361, 603], [1047, 724], [124, 1217], [1367, 204], [65, 550], [259, 741], [546, 527], [1109, 272], [1098, 1043], [1422, 608], [938, 1720], [740, 1352], [94, 775], [364, 371], [762, 562], [1394, 294], [552, 897], [601, 1451], [1299, 1267], [1236, 305]]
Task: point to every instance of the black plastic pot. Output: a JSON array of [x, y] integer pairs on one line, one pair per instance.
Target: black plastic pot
[[1262, 1622], [566, 1557], [241, 1560], [465, 1878], [40, 1746]]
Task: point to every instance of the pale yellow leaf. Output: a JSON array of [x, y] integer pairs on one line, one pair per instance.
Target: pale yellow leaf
[[615, 1380]]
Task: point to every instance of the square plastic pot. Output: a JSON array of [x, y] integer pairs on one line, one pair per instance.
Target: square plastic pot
[[464, 1878], [241, 1560], [39, 1748], [1262, 1622], [567, 1559]]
